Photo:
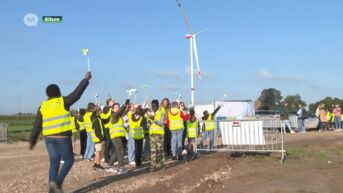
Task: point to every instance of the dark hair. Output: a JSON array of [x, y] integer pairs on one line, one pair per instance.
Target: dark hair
[[82, 112], [191, 111], [116, 104], [90, 106], [155, 101], [53, 91]]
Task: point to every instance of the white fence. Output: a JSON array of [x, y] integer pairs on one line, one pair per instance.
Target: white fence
[[260, 136], [3, 132]]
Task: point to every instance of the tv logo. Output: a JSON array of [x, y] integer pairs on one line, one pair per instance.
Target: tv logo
[[31, 20]]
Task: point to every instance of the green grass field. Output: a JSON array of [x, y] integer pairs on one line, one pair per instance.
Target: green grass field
[[19, 126]]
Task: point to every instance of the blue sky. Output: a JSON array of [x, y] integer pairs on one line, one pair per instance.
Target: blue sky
[[294, 46]]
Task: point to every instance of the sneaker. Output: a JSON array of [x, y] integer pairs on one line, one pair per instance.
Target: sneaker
[[111, 170], [116, 164], [132, 163], [81, 157], [122, 170], [174, 158], [292, 131], [53, 186]]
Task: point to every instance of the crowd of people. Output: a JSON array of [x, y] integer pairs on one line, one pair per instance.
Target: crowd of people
[[108, 133], [115, 130], [330, 118]]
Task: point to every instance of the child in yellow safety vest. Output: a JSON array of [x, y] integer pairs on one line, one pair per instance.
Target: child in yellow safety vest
[[192, 130], [97, 135]]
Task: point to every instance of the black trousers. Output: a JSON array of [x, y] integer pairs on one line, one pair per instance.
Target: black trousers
[[119, 151], [138, 151], [109, 148], [83, 142], [167, 141]]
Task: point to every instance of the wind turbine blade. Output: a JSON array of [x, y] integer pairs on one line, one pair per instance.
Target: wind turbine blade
[[184, 17], [195, 50], [204, 30]]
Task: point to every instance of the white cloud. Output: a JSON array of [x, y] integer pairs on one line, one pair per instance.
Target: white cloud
[[170, 87], [168, 74], [195, 72], [267, 75]]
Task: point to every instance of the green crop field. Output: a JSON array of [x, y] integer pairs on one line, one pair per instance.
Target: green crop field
[[19, 126]]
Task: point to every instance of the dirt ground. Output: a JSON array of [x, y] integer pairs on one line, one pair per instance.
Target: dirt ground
[[314, 164]]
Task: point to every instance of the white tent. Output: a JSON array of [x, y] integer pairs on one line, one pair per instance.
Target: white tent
[[231, 109]]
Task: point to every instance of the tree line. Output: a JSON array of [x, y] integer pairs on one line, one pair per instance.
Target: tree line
[[271, 99]]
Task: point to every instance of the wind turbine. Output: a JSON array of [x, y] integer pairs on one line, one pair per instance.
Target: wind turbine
[[193, 50]]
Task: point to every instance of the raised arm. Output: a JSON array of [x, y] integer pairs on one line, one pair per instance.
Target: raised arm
[[216, 111], [76, 94]]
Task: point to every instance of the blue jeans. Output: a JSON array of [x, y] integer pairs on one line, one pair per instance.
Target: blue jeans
[[59, 148], [130, 148], [147, 145], [176, 142], [284, 124], [90, 147], [338, 123], [210, 134], [301, 127]]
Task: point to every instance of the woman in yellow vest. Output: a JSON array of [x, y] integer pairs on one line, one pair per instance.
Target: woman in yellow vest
[[137, 121], [175, 119], [156, 132], [117, 134], [192, 131], [90, 149], [54, 122], [209, 127]]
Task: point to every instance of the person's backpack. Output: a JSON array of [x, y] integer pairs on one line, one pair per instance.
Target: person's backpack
[[305, 114]]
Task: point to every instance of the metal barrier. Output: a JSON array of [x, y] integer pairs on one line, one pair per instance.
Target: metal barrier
[[259, 136], [3, 132]]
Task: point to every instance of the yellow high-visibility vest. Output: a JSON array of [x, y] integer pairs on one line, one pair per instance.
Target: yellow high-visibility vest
[[136, 129], [82, 125], [175, 121], [210, 124], [55, 118], [117, 129], [95, 139], [192, 129], [88, 121], [154, 128], [105, 116], [328, 116], [72, 118]]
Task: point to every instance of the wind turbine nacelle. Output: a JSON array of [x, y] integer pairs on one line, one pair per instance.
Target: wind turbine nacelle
[[187, 36]]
